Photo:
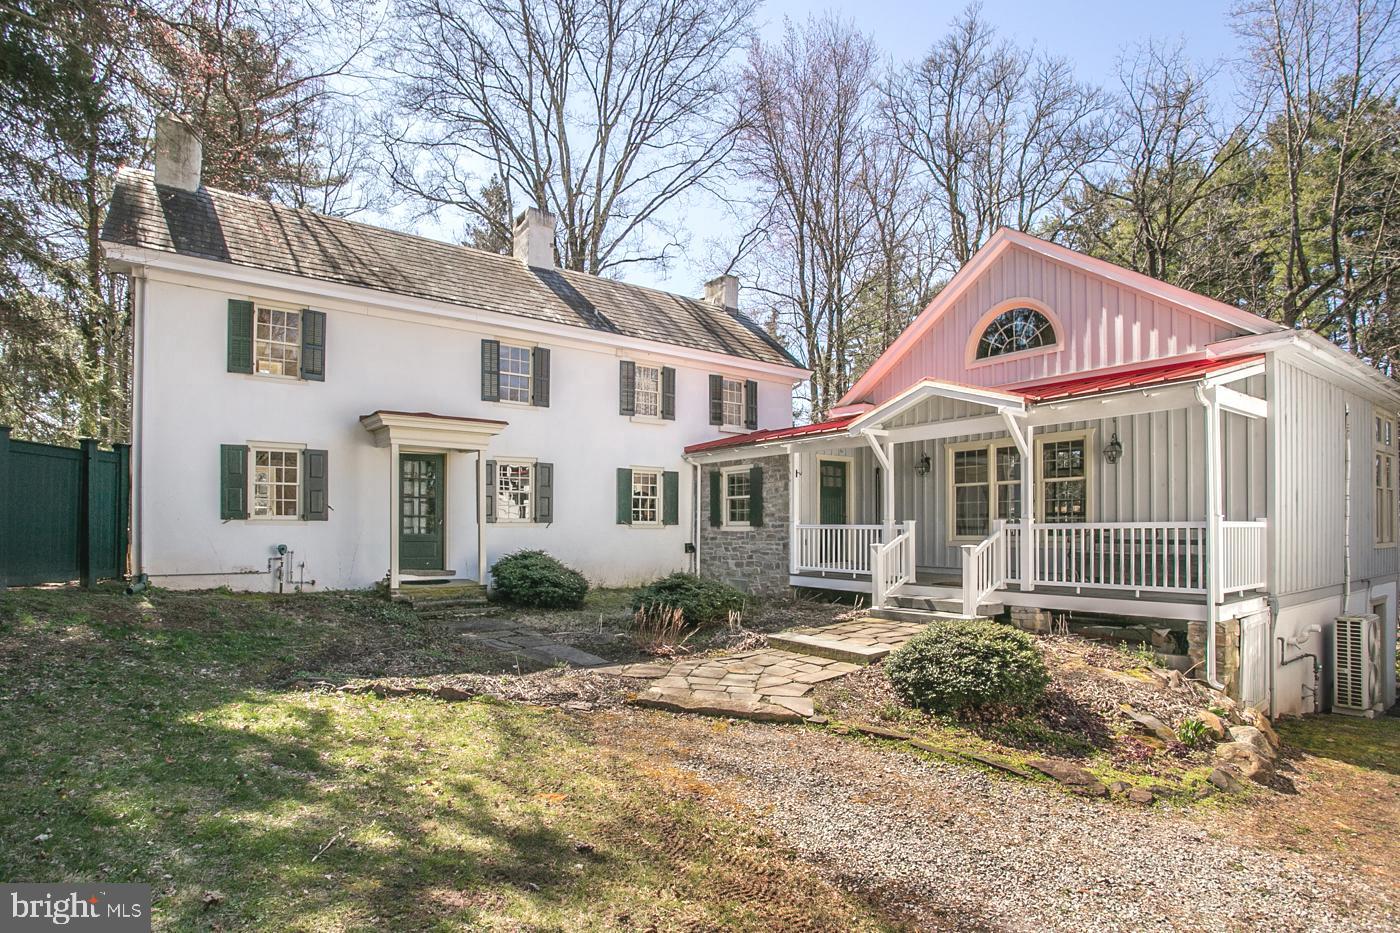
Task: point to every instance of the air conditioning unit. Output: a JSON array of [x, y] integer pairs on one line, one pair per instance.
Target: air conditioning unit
[[1356, 666]]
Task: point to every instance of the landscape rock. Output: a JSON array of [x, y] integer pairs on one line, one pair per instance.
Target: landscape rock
[[1255, 739], [1227, 778], [1214, 724], [1246, 759], [1141, 796], [1258, 720], [448, 692], [1150, 723], [1119, 787], [1073, 777]]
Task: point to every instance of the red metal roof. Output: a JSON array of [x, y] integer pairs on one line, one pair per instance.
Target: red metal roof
[[773, 434], [1094, 383], [1071, 387]]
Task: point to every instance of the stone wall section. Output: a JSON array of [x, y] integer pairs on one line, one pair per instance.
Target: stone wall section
[[753, 559]]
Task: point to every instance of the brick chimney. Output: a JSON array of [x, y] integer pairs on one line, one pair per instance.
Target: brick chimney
[[179, 154], [533, 239], [723, 292]]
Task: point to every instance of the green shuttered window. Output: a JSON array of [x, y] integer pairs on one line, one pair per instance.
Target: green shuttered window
[[648, 497], [276, 342], [286, 483]]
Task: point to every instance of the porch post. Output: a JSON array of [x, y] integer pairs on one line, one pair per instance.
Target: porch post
[[1028, 468], [481, 517], [393, 517], [1214, 513], [794, 508], [884, 452]]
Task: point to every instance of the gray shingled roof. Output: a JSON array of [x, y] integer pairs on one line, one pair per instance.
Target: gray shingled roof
[[218, 225]]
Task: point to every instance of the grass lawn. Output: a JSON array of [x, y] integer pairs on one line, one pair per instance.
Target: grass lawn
[[157, 739]]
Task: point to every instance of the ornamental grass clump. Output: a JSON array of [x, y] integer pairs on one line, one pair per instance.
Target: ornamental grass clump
[[967, 668], [537, 580]]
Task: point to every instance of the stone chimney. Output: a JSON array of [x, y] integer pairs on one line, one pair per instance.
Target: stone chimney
[[179, 154], [533, 239], [723, 292]]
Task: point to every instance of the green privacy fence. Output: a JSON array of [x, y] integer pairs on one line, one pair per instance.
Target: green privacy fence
[[64, 512]]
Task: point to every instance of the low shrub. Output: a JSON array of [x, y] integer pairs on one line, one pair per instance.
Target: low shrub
[[968, 666], [699, 600], [535, 579]]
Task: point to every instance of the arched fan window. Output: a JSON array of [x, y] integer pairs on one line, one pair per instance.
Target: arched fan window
[[1015, 330]]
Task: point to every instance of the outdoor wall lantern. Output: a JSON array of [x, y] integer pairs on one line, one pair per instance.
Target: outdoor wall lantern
[[924, 466], [1114, 451]]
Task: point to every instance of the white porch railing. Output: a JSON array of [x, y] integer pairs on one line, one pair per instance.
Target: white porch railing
[[1242, 558], [1159, 557], [891, 565], [835, 548], [983, 569]]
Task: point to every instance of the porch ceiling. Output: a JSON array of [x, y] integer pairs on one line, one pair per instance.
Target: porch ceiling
[[425, 429]]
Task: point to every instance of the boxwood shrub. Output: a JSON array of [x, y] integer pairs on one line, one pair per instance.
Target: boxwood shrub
[[534, 578], [966, 667], [699, 599]]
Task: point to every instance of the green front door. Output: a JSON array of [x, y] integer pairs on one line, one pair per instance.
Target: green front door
[[834, 479], [420, 511]]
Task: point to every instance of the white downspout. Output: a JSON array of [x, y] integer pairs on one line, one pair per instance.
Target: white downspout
[[1213, 518], [699, 477]]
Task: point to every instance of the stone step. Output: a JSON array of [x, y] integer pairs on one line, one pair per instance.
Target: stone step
[[832, 648]]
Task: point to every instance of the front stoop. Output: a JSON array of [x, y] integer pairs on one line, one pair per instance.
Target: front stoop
[[770, 685]]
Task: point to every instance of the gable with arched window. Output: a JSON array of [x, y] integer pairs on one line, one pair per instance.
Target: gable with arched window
[[1019, 328]]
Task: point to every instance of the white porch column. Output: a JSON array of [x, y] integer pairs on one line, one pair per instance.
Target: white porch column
[[884, 452], [393, 517], [1214, 516], [794, 506], [1023, 433], [481, 517]]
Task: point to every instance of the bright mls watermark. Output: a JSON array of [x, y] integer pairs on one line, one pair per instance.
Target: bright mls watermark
[[108, 908]]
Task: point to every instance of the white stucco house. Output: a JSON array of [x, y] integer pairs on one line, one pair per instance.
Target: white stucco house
[[1059, 438], [384, 406]]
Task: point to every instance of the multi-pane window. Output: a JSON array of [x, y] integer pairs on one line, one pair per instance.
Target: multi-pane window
[[736, 497], [733, 397], [646, 393], [985, 485], [1014, 331], [1066, 489], [971, 495], [276, 484], [418, 496], [277, 342], [514, 485], [1008, 483], [646, 497], [1385, 481], [515, 374]]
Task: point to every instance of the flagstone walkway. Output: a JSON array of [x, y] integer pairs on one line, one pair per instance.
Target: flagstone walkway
[[774, 683]]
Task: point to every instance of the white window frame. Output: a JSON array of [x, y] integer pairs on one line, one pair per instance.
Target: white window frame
[[993, 505], [295, 450], [292, 346], [1383, 468], [725, 497], [501, 374], [659, 477], [638, 393], [724, 394], [505, 507]]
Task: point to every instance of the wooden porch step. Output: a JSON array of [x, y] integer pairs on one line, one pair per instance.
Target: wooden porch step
[[895, 614], [943, 605]]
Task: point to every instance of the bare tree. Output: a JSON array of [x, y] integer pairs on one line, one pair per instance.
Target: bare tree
[[1002, 133], [1170, 154], [811, 122], [1325, 73], [604, 111]]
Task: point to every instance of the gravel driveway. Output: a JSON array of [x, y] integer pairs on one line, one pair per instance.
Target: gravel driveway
[[944, 847]]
